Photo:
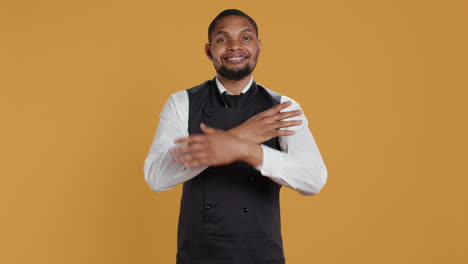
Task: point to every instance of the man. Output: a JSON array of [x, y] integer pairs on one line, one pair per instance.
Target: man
[[226, 141]]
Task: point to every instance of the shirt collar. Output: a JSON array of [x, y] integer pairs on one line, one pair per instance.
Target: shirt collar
[[222, 89]]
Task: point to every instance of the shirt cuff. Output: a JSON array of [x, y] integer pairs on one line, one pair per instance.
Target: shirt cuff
[[272, 162]]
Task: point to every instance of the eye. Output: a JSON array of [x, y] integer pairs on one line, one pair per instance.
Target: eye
[[221, 40], [246, 38]]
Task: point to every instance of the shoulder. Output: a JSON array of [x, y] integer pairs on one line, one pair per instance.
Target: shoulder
[[201, 88], [293, 107], [177, 99], [280, 98], [181, 97]]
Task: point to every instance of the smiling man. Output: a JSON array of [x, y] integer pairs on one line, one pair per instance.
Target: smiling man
[[233, 144]]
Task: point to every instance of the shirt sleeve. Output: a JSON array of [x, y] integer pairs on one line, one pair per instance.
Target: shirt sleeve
[[161, 173], [299, 164]]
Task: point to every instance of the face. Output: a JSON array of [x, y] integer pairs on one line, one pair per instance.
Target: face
[[234, 48]]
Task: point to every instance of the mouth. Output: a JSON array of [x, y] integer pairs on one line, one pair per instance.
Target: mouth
[[235, 59]]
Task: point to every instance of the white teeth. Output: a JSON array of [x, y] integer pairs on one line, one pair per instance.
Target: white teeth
[[235, 58]]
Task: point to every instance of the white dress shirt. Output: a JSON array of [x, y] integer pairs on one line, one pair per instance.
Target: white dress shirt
[[298, 165]]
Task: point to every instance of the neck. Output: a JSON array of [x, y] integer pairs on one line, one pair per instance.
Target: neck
[[234, 87]]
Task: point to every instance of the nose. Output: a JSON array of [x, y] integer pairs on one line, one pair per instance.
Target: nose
[[234, 45]]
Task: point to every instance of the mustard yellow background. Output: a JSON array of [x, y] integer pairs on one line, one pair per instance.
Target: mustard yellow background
[[383, 83]]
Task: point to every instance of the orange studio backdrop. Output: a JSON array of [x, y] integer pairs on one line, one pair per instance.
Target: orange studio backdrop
[[383, 84]]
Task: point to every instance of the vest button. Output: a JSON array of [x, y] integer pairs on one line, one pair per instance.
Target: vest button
[[209, 114], [207, 206], [246, 210], [251, 179]]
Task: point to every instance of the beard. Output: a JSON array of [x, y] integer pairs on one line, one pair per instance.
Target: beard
[[235, 75]]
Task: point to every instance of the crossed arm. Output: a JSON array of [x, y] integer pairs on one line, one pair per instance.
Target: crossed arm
[[242, 143], [299, 165]]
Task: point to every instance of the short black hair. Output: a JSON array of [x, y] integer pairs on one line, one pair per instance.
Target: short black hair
[[230, 12]]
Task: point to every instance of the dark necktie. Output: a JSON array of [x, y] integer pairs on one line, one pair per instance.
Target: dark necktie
[[231, 100]]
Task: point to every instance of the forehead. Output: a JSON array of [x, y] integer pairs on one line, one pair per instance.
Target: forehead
[[233, 24]]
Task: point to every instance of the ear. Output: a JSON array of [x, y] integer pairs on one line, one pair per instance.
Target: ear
[[259, 46], [208, 51]]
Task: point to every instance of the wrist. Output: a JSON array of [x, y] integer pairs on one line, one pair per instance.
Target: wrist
[[252, 154], [236, 132]]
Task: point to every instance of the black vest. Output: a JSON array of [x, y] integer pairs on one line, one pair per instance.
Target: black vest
[[229, 214]]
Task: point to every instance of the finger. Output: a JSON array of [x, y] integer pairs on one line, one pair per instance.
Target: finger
[[188, 148], [179, 150], [198, 163], [182, 140], [282, 124], [207, 129], [189, 157], [276, 109], [280, 133], [191, 139], [284, 115], [193, 164], [182, 159]]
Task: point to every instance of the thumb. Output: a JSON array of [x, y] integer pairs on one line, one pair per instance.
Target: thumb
[[208, 130]]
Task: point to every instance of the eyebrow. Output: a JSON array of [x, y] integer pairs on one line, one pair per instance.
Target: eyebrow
[[225, 32]]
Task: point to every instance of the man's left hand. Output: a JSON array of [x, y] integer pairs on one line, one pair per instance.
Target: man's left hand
[[214, 148]]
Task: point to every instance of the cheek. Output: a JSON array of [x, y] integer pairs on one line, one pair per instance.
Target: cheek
[[255, 53], [216, 54], [254, 50], [214, 58]]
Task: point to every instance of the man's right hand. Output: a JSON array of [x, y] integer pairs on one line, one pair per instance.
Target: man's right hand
[[266, 125]]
